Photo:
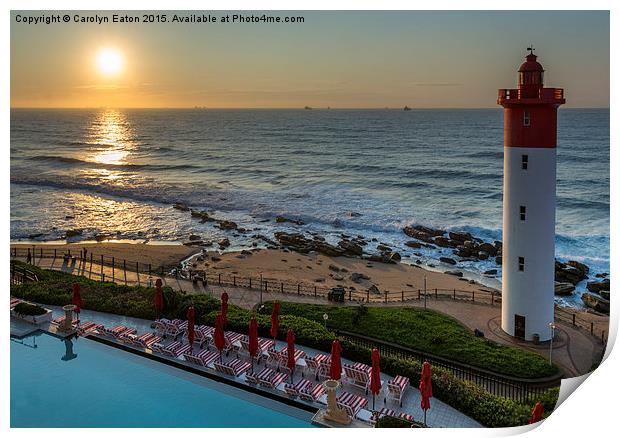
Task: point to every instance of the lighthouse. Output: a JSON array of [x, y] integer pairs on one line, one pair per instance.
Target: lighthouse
[[528, 252]]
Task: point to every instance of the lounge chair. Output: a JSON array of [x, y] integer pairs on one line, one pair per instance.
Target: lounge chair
[[272, 379], [313, 363], [323, 370], [87, 327], [406, 416], [203, 358], [61, 319], [358, 375], [116, 331], [294, 390], [299, 354], [273, 359], [176, 328], [312, 393], [15, 302], [384, 412], [396, 389], [233, 368], [175, 349], [145, 340], [351, 403], [255, 378], [203, 334], [160, 326]]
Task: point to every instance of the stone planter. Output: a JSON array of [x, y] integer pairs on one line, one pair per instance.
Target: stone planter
[[34, 319]]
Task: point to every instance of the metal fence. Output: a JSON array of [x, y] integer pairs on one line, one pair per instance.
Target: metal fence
[[522, 390]]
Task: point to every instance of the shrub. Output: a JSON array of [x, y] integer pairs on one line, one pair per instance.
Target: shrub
[[26, 309], [394, 422]]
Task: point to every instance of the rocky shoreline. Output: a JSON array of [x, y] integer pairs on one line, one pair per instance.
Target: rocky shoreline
[[464, 246]]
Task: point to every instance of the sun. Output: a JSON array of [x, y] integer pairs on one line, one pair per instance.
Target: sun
[[109, 62]]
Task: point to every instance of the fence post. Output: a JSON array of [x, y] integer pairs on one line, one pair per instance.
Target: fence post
[[368, 296], [149, 266], [281, 287], [125, 270], [219, 279], [573, 319], [418, 294], [435, 293], [90, 270], [250, 282], [266, 286], [234, 281], [349, 294], [113, 263], [454, 294], [298, 288], [473, 297], [314, 291], [386, 295], [102, 268], [592, 328], [492, 298], [41, 253], [54, 252]]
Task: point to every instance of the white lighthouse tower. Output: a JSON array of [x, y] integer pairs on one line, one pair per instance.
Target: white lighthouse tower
[[528, 253]]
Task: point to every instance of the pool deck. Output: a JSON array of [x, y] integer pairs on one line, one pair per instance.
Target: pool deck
[[440, 414]]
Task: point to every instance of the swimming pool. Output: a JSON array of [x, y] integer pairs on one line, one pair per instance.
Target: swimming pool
[[88, 384]]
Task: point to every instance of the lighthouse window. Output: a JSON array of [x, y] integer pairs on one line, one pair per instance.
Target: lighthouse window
[[524, 162], [522, 212], [521, 263], [526, 118]]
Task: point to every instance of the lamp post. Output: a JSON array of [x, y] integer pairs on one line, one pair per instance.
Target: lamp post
[[325, 318], [552, 328], [424, 291]]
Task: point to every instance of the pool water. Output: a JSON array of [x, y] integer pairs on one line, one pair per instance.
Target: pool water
[[82, 383]]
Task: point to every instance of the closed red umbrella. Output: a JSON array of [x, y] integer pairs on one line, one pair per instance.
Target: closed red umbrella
[[335, 368], [275, 313], [253, 341], [159, 297], [426, 388], [77, 298], [375, 375], [224, 310], [537, 413], [290, 351], [191, 320], [218, 335]]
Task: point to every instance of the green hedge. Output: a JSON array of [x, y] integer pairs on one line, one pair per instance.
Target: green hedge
[[428, 331], [26, 309], [472, 400]]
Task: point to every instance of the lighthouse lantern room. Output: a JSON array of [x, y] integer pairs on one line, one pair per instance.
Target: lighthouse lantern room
[[528, 253]]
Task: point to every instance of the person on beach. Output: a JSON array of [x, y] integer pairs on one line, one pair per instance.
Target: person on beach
[[29, 257]]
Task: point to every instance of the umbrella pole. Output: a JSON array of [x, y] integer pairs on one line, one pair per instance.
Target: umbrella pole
[[373, 402], [425, 417]]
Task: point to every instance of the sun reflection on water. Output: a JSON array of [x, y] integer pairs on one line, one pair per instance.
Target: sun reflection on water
[[112, 133]]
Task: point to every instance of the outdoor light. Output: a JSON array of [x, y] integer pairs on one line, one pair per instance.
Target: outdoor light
[[552, 328], [325, 318]]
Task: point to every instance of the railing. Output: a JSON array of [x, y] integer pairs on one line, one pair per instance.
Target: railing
[[522, 390], [20, 275], [545, 94]]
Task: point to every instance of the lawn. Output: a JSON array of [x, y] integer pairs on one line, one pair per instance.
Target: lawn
[[428, 331]]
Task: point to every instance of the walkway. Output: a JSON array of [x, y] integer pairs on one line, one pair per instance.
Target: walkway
[[574, 350], [440, 414]]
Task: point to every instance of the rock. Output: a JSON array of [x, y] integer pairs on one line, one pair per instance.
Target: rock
[[351, 248], [498, 260], [469, 244], [383, 248], [193, 237], [422, 233], [359, 277], [333, 268], [180, 206], [604, 294], [488, 248], [460, 237], [448, 260], [374, 289], [246, 252], [491, 272], [579, 266], [483, 255], [413, 244], [455, 273], [69, 217], [338, 277], [597, 286], [224, 242], [602, 275], [203, 215], [444, 242], [227, 225], [282, 219], [462, 251], [573, 273], [101, 237], [394, 257], [595, 302], [563, 289], [73, 233]]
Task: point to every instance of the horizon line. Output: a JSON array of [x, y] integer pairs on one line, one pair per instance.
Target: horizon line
[[272, 108]]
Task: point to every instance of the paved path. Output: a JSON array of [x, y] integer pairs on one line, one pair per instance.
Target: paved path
[[574, 349]]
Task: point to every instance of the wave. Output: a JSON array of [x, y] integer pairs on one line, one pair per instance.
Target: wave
[[78, 162]]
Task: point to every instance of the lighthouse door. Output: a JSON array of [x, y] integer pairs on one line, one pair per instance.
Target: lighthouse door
[[520, 326]]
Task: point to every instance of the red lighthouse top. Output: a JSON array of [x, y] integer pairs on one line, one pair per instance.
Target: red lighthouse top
[[531, 90], [530, 111]]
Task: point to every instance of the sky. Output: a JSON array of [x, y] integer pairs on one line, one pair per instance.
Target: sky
[[422, 59]]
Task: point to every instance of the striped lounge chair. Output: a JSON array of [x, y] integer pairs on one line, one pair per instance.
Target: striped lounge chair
[[351, 403], [294, 390], [116, 331], [145, 340], [160, 326], [176, 328], [175, 349], [396, 389], [203, 334], [15, 302], [322, 372], [203, 358], [384, 412], [358, 375], [273, 359], [299, 354], [87, 327], [272, 379], [312, 393], [255, 378], [405, 416], [233, 368], [313, 363]]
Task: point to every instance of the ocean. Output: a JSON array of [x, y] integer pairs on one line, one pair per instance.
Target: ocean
[[360, 172]]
